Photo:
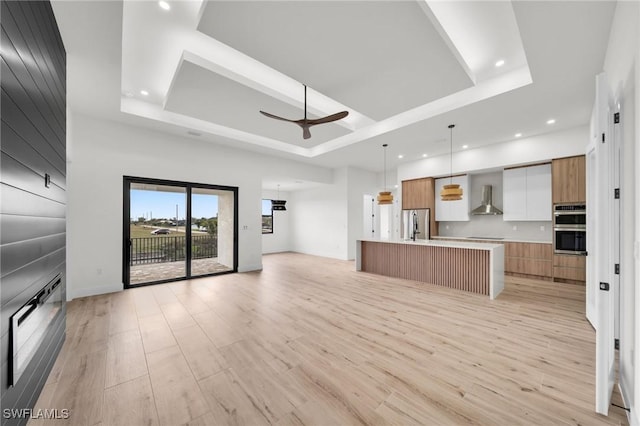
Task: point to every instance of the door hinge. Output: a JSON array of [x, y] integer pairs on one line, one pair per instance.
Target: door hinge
[[603, 138], [616, 343], [604, 286], [616, 268], [616, 193], [616, 118]]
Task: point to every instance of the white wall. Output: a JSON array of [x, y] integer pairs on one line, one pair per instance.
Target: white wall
[[621, 67], [102, 152], [327, 221], [319, 225], [518, 152], [280, 240], [359, 183]]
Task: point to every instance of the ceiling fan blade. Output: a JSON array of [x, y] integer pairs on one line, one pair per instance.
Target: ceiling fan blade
[[306, 134], [276, 117], [329, 118]]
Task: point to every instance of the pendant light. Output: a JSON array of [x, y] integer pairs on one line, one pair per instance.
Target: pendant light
[[451, 192], [385, 197], [278, 204]]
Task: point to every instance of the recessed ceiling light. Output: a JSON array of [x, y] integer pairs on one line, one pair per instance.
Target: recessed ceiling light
[[465, 146], [400, 156], [163, 4], [517, 135], [551, 121], [144, 93], [424, 155], [500, 63]]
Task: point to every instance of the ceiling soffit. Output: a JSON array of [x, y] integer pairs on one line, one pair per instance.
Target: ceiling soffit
[[211, 66]]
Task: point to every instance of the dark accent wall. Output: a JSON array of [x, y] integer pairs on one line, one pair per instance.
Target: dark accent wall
[[32, 216]]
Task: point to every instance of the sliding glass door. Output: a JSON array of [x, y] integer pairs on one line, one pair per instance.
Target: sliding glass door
[[177, 230]]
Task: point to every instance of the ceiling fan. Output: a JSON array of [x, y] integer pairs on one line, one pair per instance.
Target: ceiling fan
[[305, 123]]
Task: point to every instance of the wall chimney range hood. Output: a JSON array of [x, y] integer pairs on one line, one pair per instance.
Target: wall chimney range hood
[[487, 207]]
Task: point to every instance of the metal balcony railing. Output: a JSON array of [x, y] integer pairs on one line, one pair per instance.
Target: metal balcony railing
[[172, 249]]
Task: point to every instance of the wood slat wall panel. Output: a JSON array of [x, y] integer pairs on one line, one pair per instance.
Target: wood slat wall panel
[[32, 216], [19, 283], [18, 202], [35, 113], [52, 67], [14, 118], [32, 80], [16, 174], [458, 268], [16, 147], [18, 228]]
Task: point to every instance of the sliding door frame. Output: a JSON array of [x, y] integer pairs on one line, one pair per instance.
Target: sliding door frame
[[126, 226]]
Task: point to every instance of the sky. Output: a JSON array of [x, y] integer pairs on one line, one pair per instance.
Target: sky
[[160, 205]]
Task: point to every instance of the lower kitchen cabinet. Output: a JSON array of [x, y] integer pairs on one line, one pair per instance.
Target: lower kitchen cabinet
[[535, 259], [568, 267]]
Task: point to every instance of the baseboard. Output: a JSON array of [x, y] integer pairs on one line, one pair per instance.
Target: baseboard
[[92, 291], [250, 268], [529, 276], [631, 415]]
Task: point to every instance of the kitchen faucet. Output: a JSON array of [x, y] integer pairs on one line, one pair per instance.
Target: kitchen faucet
[[415, 225]]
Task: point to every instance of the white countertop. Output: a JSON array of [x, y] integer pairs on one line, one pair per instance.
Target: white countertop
[[439, 243], [502, 240]]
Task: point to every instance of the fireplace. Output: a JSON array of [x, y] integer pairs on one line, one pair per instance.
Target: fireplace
[[30, 324]]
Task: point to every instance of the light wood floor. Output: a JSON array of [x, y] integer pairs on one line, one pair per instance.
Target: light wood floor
[[310, 341]]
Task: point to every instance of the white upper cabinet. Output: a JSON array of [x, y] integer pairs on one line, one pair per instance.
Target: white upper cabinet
[[514, 194], [527, 193], [453, 211]]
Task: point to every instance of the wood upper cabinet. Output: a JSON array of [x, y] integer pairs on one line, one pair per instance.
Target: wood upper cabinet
[[417, 193], [569, 180]]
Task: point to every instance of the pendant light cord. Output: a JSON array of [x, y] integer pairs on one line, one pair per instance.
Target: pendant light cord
[[385, 166], [451, 126]]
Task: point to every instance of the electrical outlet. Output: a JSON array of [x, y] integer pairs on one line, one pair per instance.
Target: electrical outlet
[[446, 227], [515, 228], [245, 227], [542, 228]]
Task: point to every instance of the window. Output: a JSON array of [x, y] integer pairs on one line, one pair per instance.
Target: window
[[267, 217]]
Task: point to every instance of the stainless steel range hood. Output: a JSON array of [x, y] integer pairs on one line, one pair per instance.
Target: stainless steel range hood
[[487, 206]]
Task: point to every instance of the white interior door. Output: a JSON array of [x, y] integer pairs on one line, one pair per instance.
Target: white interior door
[[604, 250], [592, 276], [368, 216]]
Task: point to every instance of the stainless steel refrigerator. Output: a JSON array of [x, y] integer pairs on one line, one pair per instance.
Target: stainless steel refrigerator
[[415, 224]]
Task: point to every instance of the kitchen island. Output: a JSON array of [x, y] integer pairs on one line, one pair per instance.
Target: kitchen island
[[468, 266]]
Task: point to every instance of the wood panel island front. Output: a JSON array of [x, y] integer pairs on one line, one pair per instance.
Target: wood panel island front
[[473, 267]]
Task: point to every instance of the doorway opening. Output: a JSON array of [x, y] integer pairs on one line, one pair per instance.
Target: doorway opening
[[177, 230]]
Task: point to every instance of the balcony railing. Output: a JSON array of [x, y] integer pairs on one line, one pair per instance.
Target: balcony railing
[[172, 249]]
